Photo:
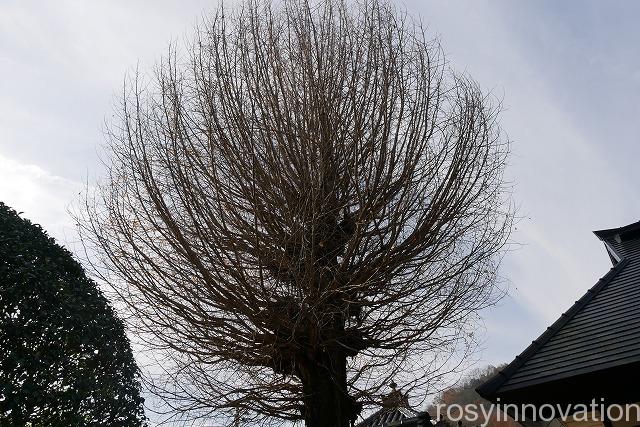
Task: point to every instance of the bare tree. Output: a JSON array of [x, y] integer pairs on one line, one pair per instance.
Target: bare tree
[[306, 206]]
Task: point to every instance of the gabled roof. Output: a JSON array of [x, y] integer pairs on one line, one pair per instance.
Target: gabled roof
[[398, 417], [386, 416], [600, 331]]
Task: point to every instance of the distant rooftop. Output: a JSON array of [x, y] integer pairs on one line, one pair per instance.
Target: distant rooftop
[[386, 416], [395, 411]]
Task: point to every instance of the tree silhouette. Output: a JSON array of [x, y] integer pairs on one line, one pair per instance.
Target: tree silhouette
[[303, 207]]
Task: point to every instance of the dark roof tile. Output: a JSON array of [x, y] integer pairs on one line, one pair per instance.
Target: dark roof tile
[[601, 330]]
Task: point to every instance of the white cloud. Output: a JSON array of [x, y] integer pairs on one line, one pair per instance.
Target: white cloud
[[41, 196]]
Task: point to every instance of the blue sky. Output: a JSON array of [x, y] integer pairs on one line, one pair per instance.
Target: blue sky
[[568, 74]]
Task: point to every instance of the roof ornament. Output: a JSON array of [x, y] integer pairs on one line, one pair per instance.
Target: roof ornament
[[396, 398]]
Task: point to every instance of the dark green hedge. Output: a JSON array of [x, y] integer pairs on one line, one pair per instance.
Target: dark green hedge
[[64, 357]]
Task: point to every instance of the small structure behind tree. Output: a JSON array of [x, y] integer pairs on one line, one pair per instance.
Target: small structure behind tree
[[395, 409]]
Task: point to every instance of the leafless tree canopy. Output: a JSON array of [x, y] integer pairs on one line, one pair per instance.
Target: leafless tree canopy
[[305, 206]]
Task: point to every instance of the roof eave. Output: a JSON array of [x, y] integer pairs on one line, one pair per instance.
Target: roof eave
[[490, 389], [610, 232]]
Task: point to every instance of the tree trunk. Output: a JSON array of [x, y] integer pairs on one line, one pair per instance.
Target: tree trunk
[[327, 402]]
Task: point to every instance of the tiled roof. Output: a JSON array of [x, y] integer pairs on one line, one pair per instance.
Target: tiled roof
[[600, 331], [385, 416]]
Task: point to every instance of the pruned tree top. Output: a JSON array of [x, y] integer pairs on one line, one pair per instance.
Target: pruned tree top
[[306, 205], [64, 355]]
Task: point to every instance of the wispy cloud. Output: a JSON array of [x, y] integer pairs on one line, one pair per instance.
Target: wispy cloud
[[40, 195]]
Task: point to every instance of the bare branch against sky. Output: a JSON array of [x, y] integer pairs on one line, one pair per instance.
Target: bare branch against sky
[[567, 75], [305, 207]]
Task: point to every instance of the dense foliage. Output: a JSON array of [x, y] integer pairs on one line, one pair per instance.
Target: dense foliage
[[64, 356]]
